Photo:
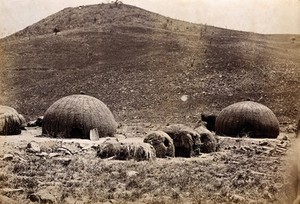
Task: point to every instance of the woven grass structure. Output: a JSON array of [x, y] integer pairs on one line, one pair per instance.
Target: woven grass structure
[[75, 115], [186, 140], [10, 121], [209, 142], [247, 118], [127, 151], [162, 143]]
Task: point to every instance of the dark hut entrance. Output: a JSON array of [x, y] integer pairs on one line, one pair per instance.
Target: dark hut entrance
[[76, 133]]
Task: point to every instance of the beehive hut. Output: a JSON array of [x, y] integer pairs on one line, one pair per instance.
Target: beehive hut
[[162, 143], [10, 121], [186, 140], [208, 140], [247, 118], [75, 115], [127, 151]]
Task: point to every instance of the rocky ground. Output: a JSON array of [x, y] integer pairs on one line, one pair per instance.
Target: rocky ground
[[34, 169]]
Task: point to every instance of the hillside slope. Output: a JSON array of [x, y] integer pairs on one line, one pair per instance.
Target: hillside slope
[[141, 64]]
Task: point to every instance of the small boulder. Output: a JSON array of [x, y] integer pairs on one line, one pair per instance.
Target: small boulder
[[131, 173], [49, 195], [33, 147], [8, 157]]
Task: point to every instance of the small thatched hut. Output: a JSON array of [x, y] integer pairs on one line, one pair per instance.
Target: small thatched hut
[[209, 142], [247, 118], [186, 140], [74, 116], [127, 151], [10, 121], [162, 143]]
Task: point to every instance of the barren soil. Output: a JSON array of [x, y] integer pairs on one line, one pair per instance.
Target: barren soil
[[140, 64]]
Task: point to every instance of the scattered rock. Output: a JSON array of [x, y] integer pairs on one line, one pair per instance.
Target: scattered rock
[[33, 147], [131, 173], [64, 161], [263, 143], [237, 198], [8, 157], [10, 190], [120, 137], [64, 150], [48, 195], [54, 154], [42, 154]]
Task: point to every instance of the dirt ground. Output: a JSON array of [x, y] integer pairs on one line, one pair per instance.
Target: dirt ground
[[35, 169]]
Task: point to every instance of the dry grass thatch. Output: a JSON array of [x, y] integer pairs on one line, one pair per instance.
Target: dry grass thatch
[[127, 151], [209, 142], [74, 116], [186, 140], [247, 118], [162, 143], [10, 121]]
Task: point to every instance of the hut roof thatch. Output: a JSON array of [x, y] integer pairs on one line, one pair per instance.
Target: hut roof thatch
[[10, 121], [247, 118], [75, 115]]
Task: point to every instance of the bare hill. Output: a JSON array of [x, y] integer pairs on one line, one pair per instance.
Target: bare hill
[[140, 64]]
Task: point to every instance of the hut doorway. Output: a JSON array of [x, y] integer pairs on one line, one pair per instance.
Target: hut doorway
[[76, 133]]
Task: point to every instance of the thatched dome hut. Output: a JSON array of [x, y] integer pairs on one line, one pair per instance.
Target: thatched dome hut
[[74, 116], [186, 140], [247, 118], [208, 140], [162, 143], [10, 121]]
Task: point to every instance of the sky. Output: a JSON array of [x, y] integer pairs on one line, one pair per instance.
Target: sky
[[260, 16]]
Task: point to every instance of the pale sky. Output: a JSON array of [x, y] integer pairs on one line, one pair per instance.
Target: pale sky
[[261, 16]]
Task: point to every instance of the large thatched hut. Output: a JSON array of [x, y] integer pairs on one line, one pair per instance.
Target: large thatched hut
[[75, 116], [247, 118], [10, 121]]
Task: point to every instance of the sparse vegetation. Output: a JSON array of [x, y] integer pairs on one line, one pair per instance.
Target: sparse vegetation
[[237, 173]]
